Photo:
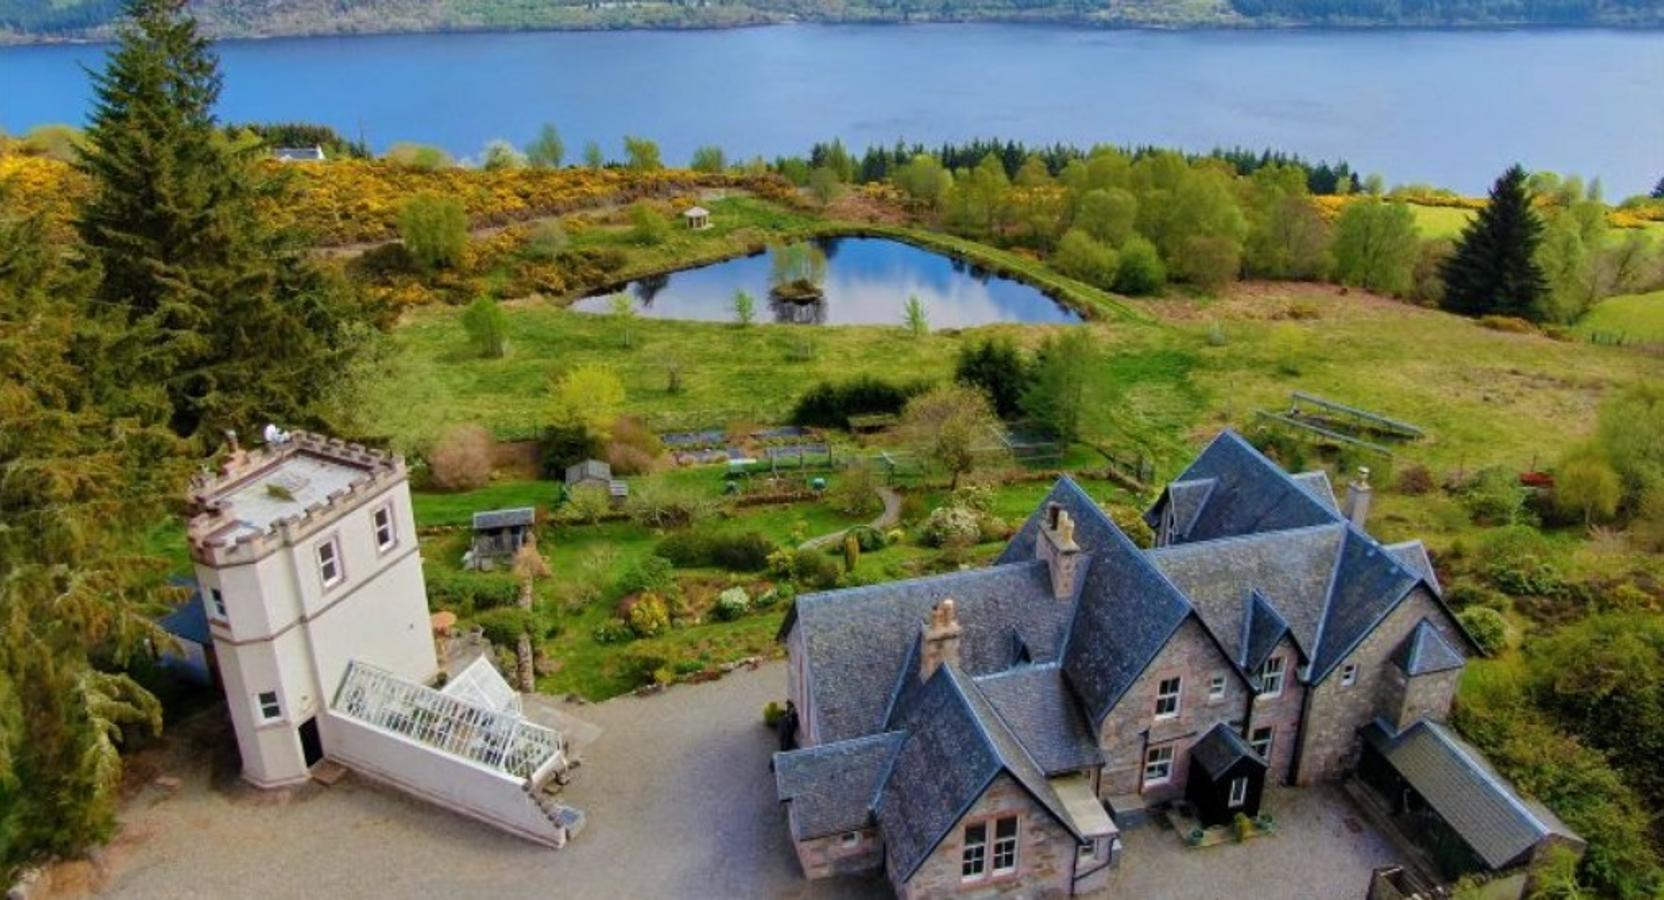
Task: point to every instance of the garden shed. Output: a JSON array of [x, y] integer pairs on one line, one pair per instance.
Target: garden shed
[[597, 473], [498, 535], [1227, 777]]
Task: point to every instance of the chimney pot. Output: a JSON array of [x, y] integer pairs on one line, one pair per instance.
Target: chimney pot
[[1358, 495], [939, 640]]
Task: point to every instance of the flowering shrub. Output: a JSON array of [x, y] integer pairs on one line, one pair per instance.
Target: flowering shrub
[[952, 525], [648, 616], [731, 604]]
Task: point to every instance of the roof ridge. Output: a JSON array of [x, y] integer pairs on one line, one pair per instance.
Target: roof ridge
[[844, 594], [1176, 549]]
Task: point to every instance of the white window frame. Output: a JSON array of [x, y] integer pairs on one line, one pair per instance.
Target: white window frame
[[1272, 674], [850, 838], [1158, 759], [1216, 687], [333, 545], [1270, 741], [1349, 675], [216, 605], [1239, 792], [1088, 850], [1167, 700], [973, 859], [391, 526], [1005, 846], [276, 706]]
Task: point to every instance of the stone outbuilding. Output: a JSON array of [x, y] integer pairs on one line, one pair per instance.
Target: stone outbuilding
[[598, 474], [498, 535]]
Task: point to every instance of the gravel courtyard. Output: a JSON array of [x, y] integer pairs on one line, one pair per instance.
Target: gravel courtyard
[[680, 804]]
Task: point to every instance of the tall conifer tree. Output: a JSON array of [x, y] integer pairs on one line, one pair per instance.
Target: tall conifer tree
[[1494, 268], [224, 310]]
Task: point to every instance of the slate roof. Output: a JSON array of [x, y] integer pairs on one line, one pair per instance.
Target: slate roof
[[1186, 499], [1316, 483], [956, 745], [1425, 651], [1220, 749], [1368, 583], [1262, 629], [1243, 500], [1127, 609], [858, 640], [1037, 705], [832, 786], [1473, 800], [588, 469], [518, 517], [1292, 571], [1413, 556]]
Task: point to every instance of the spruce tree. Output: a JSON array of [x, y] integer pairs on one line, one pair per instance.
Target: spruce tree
[[1494, 268], [223, 311]]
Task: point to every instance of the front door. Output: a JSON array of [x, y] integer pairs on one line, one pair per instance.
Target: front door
[[311, 745]]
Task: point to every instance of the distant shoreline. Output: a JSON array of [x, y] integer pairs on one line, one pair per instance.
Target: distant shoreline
[[104, 34]]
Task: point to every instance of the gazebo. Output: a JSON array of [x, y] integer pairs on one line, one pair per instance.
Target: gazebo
[[697, 217]]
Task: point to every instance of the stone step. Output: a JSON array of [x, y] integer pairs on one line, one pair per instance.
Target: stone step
[[328, 772]]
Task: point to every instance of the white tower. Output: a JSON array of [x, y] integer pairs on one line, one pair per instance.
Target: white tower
[[306, 554]]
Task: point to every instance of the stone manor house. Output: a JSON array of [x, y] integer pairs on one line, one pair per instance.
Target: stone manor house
[[989, 732]]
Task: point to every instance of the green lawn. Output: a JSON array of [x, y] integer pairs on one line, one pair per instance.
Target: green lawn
[[1634, 317], [1441, 221]]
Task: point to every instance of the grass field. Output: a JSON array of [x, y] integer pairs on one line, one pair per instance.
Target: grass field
[[1440, 221], [1635, 317]]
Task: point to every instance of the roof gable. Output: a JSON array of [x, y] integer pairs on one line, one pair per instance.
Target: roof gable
[[1262, 630], [1241, 500], [1316, 483], [1221, 749], [956, 745], [1368, 583], [1425, 651], [831, 786]]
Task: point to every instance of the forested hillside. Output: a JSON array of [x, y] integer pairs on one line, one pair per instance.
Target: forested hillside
[[27, 20]]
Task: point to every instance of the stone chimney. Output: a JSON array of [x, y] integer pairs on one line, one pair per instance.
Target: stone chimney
[[1358, 494], [939, 641], [1056, 545]]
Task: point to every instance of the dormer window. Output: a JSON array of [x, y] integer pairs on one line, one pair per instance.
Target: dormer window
[[1271, 677], [329, 563]]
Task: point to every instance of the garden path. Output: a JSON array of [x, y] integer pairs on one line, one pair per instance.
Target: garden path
[[889, 517]]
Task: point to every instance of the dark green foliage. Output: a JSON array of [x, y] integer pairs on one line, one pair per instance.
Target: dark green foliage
[[1574, 780], [1494, 268], [503, 626], [1494, 496], [227, 315], [996, 366], [1518, 560], [567, 445], [1057, 398], [1141, 271], [651, 574], [814, 570], [867, 538], [1487, 627], [747, 552], [1604, 678], [471, 591], [829, 404]]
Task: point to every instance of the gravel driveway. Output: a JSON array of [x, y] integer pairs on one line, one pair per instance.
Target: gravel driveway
[[679, 799], [680, 804]]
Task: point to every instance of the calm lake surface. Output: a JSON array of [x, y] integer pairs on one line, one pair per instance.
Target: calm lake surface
[[868, 281], [1448, 107]]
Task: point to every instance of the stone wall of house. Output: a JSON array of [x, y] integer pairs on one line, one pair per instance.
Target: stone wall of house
[[797, 685], [1404, 699], [1335, 711], [1132, 727], [1045, 852], [835, 854], [1282, 715]]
